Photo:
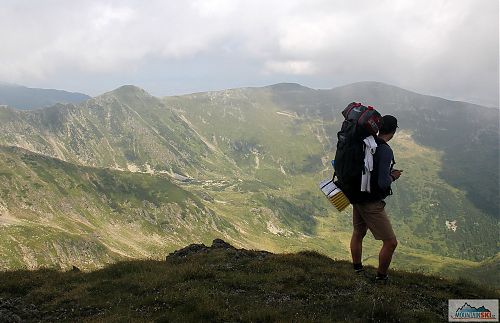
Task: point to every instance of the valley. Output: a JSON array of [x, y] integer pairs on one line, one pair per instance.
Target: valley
[[127, 175]]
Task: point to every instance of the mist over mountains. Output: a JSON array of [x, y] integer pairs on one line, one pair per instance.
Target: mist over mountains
[[126, 174]]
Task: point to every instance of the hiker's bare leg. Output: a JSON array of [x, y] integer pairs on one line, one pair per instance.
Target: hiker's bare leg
[[357, 244], [385, 255]]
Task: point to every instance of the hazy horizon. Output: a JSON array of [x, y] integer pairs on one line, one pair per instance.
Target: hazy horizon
[[442, 48], [256, 86]]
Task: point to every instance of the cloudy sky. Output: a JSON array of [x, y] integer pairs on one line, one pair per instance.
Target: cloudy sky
[[444, 48]]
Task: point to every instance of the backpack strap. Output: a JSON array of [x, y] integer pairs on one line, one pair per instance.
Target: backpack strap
[[334, 173]]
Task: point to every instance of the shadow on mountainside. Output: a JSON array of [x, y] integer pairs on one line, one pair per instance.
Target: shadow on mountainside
[[223, 283]]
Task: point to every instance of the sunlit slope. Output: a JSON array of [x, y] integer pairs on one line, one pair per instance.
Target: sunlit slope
[[53, 213], [59, 214], [126, 129], [219, 132], [250, 158], [261, 137]]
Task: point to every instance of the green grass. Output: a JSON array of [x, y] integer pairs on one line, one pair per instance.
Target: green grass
[[231, 285]]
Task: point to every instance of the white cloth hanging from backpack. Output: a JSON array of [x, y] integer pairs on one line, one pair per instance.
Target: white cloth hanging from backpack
[[370, 148]]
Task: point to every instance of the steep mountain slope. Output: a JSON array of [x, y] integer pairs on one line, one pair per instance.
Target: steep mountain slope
[[251, 160], [123, 129], [53, 213], [466, 133], [24, 98], [290, 144]]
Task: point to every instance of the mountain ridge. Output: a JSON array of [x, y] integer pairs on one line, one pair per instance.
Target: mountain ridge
[[253, 157], [26, 98], [283, 86], [399, 88], [137, 99]]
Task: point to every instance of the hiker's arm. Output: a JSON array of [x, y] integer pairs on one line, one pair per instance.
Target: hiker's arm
[[384, 166], [395, 174]]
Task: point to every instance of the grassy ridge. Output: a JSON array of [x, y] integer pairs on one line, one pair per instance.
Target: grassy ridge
[[221, 283]]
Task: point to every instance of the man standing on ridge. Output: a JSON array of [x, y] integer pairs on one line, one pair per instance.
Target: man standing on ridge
[[370, 214]]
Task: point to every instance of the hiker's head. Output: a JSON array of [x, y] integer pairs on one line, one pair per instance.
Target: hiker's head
[[388, 126]]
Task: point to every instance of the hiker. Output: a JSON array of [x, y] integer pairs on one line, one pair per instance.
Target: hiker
[[370, 212]]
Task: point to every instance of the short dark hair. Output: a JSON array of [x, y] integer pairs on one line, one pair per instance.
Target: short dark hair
[[389, 124]]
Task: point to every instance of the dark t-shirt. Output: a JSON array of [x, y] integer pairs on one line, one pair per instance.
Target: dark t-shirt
[[384, 156]]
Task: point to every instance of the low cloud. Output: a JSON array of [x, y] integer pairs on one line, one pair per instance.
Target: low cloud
[[291, 67], [447, 48]]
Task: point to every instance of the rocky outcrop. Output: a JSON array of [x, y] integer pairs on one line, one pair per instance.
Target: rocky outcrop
[[217, 244]]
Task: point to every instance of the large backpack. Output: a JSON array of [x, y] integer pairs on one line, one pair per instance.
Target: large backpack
[[359, 122]]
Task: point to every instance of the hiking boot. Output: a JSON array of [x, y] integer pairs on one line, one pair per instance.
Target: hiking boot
[[361, 272], [358, 268], [382, 280]]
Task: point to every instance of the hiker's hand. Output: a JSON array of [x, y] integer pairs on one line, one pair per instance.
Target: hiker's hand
[[396, 173]]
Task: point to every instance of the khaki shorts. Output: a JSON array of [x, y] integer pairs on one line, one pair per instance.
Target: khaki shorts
[[372, 216]]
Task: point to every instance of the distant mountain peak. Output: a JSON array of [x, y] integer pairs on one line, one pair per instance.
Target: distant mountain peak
[[129, 89], [127, 93], [373, 85], [288, 87]]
